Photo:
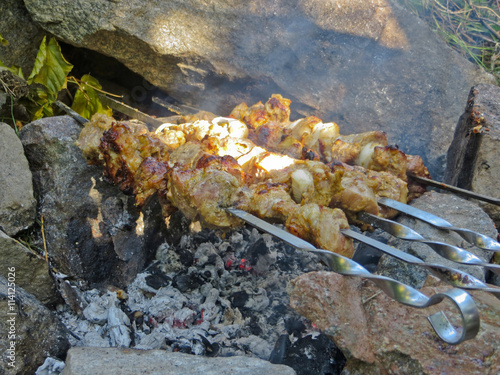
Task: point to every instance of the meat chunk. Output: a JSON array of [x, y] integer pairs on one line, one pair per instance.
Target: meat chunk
[[124, 147], [322, 227], [203, 193], [90, 137], [149, 179]]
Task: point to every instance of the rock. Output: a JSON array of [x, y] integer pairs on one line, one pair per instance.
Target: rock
[[378, 335], [38, 333], [128, 361], [368, 65], [93, 231], [17, 204], [475, 150], [32, 272], [51, 366], [23, 35], [459, 212]]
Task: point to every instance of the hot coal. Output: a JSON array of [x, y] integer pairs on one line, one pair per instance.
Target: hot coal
[[209, 293]]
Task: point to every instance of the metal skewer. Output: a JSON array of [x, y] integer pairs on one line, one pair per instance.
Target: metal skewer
[[456, 190], [477, 239], [451, 252], [393, 288], [449, 275]]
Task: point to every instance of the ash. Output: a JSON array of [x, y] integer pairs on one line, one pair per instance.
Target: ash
[[212, 294]]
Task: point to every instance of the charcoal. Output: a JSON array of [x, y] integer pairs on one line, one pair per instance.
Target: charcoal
[[280, 348], [314, 355], [156, 281], [206, 295]]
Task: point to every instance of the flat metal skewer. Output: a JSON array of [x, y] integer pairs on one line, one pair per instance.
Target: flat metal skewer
[[477, 239], [396, 290], [450, 252], [447, 274]]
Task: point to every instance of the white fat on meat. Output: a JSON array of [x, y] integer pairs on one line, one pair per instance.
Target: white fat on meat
[[366, 154], [302, 183]]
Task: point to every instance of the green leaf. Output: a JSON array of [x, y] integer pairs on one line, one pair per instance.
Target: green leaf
[[13, 69], [87, 102], [51, 68], [43, 104], [3, 42]]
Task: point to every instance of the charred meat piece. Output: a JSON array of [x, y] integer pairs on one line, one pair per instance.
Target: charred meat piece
[[415, 166], [149, 178], [124, 147]]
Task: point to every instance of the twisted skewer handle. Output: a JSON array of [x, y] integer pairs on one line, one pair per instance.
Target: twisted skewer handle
[[396, 290], [450, 252], [477, 239]]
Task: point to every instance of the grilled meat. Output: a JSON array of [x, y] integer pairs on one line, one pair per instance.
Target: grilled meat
[[90, 137], [203, 192], [267, 166], [124, 147], [310, 138]]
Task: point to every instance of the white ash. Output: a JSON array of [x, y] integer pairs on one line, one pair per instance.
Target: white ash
[[51, 366], [208, 295]]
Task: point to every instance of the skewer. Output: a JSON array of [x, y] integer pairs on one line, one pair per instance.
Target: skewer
[[457, 190], [477, 239], [398, 291], [394, 288], [134, 113], [453, 253]]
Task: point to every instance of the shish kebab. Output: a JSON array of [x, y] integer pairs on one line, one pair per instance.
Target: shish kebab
[[205, 167], [206, 177], [300, 178], [309, 138]]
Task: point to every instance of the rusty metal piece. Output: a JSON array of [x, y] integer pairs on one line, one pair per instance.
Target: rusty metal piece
[[456, 190]]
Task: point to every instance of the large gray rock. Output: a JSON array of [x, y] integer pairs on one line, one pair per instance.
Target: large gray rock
[[105, 361], [17, 204], [32, 271], [93, 231], [474, 153], [28, 330], [380, 336], [23, 35], [364, 64]]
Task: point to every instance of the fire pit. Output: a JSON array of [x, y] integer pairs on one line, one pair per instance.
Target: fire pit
[[208, 292]]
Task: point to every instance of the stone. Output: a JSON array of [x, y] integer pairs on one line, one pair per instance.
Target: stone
[[459, 212], [378, 335], [93, 232], [86, 360], [32, 271], [474, 153], [22, 34], [38, 333], [367, 65], [51, 366], [17, 204]]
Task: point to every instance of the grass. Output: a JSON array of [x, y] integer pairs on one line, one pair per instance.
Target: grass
[[471, 27]]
